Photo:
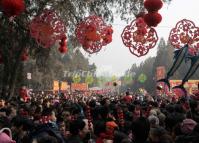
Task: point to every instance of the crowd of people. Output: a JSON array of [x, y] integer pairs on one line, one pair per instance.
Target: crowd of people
[[62, 118]]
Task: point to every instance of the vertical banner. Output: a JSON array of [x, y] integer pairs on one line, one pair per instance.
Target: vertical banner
[[56, 85], [160, 72], [64, 86]]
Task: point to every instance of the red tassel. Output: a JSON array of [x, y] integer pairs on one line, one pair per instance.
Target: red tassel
[[153, 5], [12, 7], [63, 46], [152, 19]]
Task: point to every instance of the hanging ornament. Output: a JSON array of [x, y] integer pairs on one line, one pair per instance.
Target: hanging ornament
[[24, 56], [47, 28], [185, 32], [63, 46], [152, 19], [12, 7], [93, 33], [139, 38], [153, 5], [107, 35]]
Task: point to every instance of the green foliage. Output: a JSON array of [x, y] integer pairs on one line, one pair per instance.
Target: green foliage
[[89, 79], [76, 78], [148, 68]]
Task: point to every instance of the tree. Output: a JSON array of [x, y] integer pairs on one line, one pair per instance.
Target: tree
[[16, 37]]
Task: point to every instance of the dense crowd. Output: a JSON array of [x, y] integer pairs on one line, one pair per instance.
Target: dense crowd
[[60, 118]]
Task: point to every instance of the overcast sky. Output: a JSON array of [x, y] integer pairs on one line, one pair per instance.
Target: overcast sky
[[115, 58]]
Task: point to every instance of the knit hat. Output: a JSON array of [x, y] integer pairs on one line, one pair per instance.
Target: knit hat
[[187, 126], [6, 136]]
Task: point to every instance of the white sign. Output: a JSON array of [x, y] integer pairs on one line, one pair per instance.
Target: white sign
[[28, 75]]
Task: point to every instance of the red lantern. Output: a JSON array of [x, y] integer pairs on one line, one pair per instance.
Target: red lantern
[[139, 38], [92, 33], [12, 7], [24, 56], [47, 28], [153, 5], [152, 19], [63, 46], [185, 32]]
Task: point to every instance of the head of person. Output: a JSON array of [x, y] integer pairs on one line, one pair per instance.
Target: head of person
[[140, 130], [79, 128]]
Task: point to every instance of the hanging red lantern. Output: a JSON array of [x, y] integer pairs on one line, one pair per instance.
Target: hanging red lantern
[[63, 46], [152, 19], [47, 28], [153, 5], [12, 7], [92, 34], [139, 38], [24, 56], [185, 32]]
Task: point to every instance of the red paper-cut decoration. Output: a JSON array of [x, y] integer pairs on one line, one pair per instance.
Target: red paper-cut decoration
[[47, 28], [153, 5], [152, 19], [185, 32], [93, 33], [63, 46], [12, 7], [139, 38]]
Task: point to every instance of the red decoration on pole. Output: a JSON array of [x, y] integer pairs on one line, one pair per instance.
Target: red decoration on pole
[[93, 33], [120, 115], [24, 56], [139, 38], [153, 5], [88, 114], [63, 46], [185, 32], [47, 28], [12, 7]]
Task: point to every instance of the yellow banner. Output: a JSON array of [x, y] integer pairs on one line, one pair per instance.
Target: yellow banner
[[64, 86], [55, 85]]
